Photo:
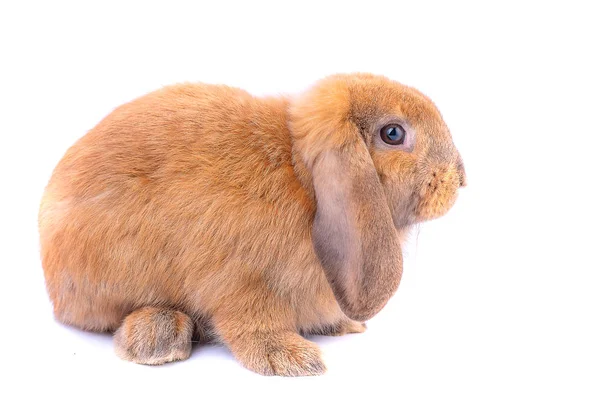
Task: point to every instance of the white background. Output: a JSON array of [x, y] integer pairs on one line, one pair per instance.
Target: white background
[[501, 297]]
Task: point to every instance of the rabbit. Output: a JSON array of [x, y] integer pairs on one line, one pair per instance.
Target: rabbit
[[201, 212]]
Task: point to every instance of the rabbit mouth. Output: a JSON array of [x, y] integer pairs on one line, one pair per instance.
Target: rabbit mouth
[[438, 194]]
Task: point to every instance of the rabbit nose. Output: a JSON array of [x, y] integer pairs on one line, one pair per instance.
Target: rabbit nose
[[462, 175]]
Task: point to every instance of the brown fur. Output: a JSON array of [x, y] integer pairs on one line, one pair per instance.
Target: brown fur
[[257, 218], [154, 336]]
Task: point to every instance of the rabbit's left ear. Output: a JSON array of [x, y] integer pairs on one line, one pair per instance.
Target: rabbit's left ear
[[353, 231]]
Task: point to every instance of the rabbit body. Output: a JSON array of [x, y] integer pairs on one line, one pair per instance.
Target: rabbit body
[[189, 210]]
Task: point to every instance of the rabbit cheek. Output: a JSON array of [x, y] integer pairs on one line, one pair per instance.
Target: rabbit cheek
[[437, 194]]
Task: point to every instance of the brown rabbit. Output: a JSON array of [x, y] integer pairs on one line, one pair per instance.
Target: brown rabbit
[[202, 211]]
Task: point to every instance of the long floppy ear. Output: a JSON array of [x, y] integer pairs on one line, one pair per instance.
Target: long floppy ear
[[353, 231]]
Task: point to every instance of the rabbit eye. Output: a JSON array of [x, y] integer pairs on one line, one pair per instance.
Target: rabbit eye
[[393, 134]]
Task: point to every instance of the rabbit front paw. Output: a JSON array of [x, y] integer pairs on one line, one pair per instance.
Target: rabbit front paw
[[282, 354]]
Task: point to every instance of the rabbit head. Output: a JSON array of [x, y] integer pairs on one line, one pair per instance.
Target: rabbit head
[[379, 158]]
